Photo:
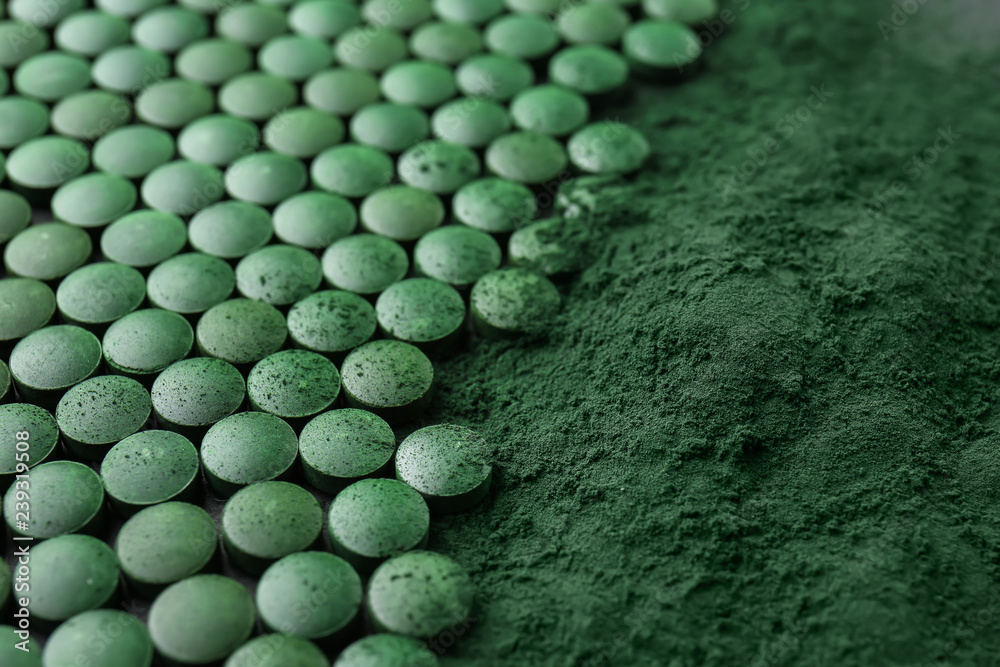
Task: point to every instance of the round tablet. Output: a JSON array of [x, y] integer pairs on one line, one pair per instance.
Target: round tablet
[[364, 263], [43, 436], [277, 650], [265, 178], [245, 448], [143, 238], [607, 148], [401, 212], [42, 14], [511, 302], [340, 91], [193, 394], [593, 23], [294, 57], [293, 384], [661, 48], [447, 43], [241, 331], [314, 219], [100, 638], [331, 322], [589, 70], [98, 294], [145, 342], [534, 6], [230, 229], [549, 109], [278, 274], [190, 283], [101, 411], [494, 205], [148, 468], [51, 76], [15, 214], [330, 586], [419, 594], [391, 378], [418, 83], [468, 11], [212, 62], [182, 187], [470, 121], [201, 619], [555, 246], [257, 95], [389, 126], [218, 139], [174, 103], [399, 14], [11, 655], [494, 77], [90, 114], [47, 162], [169, 29], [339, 447], [303, 132], [375, 519], [129, 69], [250, 23], [351, 170], [26, 305], [385, 650], [325, 19], [133, 151], [128, 8], [93, 200], [524, 36], [49, 361], [372, 48], [422, 311], [438, 166], [66, 497], [19, 41], [526, 157], [264, 522], [70, 574], [21, 119], [456, 255], [448, 464], [691, 12]]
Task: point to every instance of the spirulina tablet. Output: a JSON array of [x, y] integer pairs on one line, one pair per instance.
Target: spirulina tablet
[[401, 212], [201, 619], [526, 157], [100, 638], [607, 148], [42, 14], [438, 166], [593, 23], [46, 163], [510, 302], [265, 178], [182, 187], [474, 12], [351, 170], [190, 283], [314, 219], [278, 274], [15, 214], [549, 109], [303, 132], [372, 48], [294, 57], [250, 23], [26, 305], [256, 95], [43, 436], [589, 70], [148, 468], [192, 394], [399, 14], [389, 126], [385, 650], [446, 42], [661, 49], [494, 205], [544, 7], [339, 447], [310, 575], [375, 519], [51, 76], [53, 510], [448, 465], [133, 151], [246, 448], [46, 363], [230, 229], [552, 247], [21, 119], [241, 331], [129, 69], [456, 255], [422, 311], [364, 263], [98, 294], [91, 32], [341, 91], [128, 8], [11, 655], [277, 650], [19, 41], [295, 385], [169, 29], [145, 342], [419, 594], [525, 36], [470, 121], [218, 139], [391, 378], [101, 411], [325, 19], [47, 251], [143, 238], [212, 62], [494, 77], [93, 200], [264, 522], [174, 103], [331, 322], [691, 12], [70, 574], [418, 83]]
